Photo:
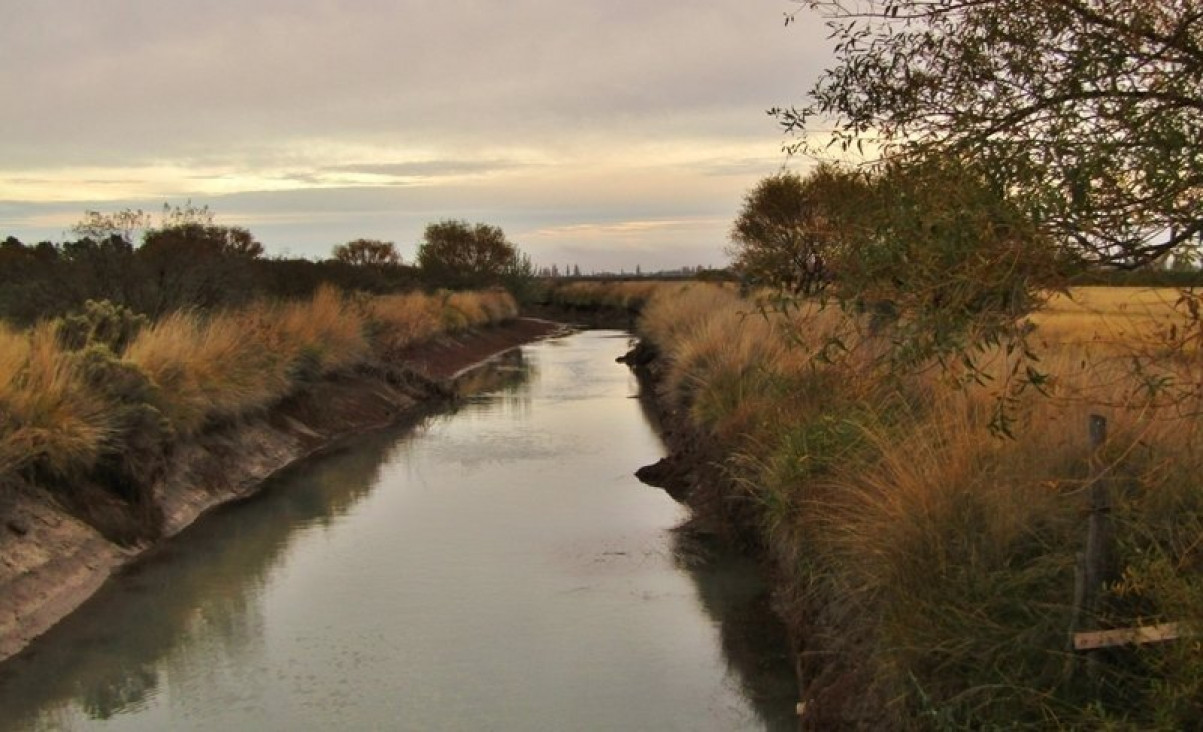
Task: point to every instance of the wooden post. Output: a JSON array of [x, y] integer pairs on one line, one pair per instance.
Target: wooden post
[[1094, 562], [1099, 531]]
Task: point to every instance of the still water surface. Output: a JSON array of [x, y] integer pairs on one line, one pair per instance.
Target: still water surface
[[495, 567]]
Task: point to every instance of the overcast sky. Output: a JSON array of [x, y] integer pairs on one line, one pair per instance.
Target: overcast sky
[[602, 133]]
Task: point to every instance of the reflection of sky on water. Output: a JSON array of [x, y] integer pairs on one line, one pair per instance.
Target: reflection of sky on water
[[498, 567]]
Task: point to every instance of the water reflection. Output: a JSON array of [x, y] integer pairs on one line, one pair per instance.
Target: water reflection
[[195, 603], [733, 591], [493, 566]]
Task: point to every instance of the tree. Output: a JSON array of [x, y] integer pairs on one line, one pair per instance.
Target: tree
[[461, 255], [192, 262], [368, 253], [99, 226], [1087, 113], [790, 230]]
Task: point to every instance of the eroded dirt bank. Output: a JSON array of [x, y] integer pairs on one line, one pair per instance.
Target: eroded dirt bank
[[693, 473], [51, 561]]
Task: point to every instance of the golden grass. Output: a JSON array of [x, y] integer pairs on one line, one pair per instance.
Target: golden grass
[[48, 414], [211, 367], [1108, 316], [617, 295], [400, 321], [955, 548], [208, 368]]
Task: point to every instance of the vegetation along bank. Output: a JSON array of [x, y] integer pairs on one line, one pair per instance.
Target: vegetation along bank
[[927, 526]]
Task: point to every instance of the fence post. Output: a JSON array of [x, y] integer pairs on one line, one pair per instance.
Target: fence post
[[1099, 531], [1094, 563]]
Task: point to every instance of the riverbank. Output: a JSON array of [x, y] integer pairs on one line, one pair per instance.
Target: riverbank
[[51, 561], [927, 565]]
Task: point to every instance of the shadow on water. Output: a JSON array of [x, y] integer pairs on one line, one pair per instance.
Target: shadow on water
[[204, 587], [733, 592]]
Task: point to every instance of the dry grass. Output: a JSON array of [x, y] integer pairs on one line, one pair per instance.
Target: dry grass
[[400, 321], [956, 548], [205, 368], [629, 296], [49, 417], [1108, 316]]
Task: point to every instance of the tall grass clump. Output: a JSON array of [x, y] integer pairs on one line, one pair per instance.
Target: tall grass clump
[[208, 368], [936, 553], [464, 310], [319, 336], [49, 418], [398, 322]]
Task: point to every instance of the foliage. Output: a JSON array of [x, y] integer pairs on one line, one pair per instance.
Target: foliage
[[98, 226], [187, 261], [460, 255], [790, 229], [1088, 113], [100, 323], [367, 253], [942, 261]]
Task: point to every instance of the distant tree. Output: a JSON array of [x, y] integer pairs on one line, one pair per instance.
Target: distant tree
[[576, 271], [786, 235], [461, 255], [192, 262], [99, 226], [367, 253], [202, 240]]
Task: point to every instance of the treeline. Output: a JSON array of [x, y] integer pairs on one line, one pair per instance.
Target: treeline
[[50, 280], [189, 262]]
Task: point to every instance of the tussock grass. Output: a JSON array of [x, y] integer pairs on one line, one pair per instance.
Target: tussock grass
[[400, 321], [208, 368], [49, 418], [63, 408], [949, 553]]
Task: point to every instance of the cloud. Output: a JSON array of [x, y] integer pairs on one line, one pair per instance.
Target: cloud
[[324, 121], [609, 230]]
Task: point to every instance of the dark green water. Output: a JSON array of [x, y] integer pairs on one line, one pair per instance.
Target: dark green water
[[493, 568]]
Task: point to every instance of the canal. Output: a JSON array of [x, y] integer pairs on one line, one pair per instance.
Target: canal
[[492, 567]]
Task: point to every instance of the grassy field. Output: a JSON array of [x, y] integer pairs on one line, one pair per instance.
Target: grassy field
[[108, 394], [929, 563], [1110, 315]]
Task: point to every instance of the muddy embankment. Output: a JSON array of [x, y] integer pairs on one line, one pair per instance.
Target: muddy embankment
[[692, 473], [52, 561]]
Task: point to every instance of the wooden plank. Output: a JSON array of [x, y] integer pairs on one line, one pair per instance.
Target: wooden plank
[[1128, 636]]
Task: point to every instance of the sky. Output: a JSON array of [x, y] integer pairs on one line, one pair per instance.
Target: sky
[[606, 134]]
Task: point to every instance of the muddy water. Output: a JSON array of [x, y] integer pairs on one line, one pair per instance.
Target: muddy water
[[492, 568]]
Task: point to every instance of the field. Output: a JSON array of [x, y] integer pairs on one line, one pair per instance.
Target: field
[[1115, 315], [928, 562]]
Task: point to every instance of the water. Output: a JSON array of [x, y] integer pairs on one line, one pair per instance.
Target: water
[[497, 567]]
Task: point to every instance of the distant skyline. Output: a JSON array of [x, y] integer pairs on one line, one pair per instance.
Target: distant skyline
[[607, 134]]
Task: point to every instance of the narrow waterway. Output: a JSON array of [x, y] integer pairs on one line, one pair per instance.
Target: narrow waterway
[[496, 567]]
